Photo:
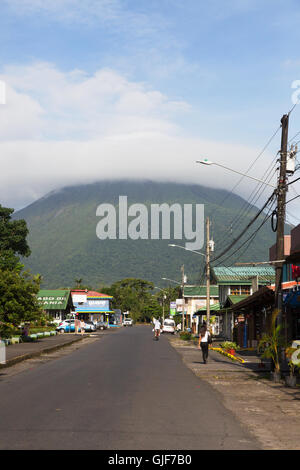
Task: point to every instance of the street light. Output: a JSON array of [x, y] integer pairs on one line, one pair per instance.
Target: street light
[[187, 249], [183, 281], [163, 301], [171, 280], [209, 248], [205, 161]]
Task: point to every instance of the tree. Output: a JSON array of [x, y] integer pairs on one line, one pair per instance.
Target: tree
[[272, 342], [13, 241], [131, 294], [18, 300]]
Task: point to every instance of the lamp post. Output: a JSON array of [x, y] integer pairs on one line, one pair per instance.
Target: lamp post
[[183, 281], [207, 162], [163, 301], [207, 256]]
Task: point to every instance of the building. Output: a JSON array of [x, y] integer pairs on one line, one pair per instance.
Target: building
[[251, 316], [236, 284], [91, 305], [195, 303], [57, 304], [290, 288], [241, 281]]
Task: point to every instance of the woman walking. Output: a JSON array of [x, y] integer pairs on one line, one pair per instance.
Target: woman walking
[[203, 342], [82, 325]]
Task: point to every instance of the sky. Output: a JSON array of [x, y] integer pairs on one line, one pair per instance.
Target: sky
[[100, 89]]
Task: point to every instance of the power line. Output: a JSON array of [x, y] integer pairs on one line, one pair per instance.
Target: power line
[[246, 228], [256, 193], [249, 168], [249, 239]]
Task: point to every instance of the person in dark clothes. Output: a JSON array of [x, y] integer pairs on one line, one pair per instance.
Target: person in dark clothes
[[203, 341]]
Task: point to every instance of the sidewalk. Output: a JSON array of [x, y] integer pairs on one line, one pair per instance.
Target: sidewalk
[[19, 352], [270, 411]]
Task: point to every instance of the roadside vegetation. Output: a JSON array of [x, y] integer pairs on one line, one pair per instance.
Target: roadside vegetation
[[18, 288]]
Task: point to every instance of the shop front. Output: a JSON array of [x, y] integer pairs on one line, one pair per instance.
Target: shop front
[[252, 317], [94, 306], [57, 304]]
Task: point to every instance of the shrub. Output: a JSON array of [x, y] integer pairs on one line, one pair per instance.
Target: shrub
[[229, 345], [186, 336]]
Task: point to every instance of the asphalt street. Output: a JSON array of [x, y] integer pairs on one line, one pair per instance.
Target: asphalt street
[[123, 391]]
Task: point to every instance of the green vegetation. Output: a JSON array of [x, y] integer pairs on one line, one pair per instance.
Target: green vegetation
[[271, 343], [227, 345], [65, 247], [18, 289], [186, 336]]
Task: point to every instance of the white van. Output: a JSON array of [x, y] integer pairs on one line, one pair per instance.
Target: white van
[[168, 326]]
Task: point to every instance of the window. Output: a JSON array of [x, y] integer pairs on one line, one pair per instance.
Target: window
[[234, 290], [245, 290]]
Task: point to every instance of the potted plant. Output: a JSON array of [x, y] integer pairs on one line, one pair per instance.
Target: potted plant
[[271, 344], [291, 379], [230, 347]]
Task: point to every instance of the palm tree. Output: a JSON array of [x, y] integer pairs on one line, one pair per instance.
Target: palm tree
[[272, 342], [78, 283]]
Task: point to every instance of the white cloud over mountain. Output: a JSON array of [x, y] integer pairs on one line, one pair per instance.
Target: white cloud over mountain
[[62, 128]]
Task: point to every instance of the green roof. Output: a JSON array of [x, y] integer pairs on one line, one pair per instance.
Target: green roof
[[53, 299], [244, 274], [200, 291], [213, 307], [234, 299]]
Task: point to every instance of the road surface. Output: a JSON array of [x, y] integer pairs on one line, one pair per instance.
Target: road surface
[[123, 391]]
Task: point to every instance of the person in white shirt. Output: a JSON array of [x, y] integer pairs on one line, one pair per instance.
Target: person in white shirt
[[157, 327], [203, 342]]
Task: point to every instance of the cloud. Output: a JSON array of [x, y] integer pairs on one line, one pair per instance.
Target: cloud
[[75, 105], [64, 128]]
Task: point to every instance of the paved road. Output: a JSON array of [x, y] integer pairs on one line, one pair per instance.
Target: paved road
[[124, 391]]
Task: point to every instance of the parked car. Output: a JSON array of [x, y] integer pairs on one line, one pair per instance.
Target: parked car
[[89, 326], [128, 322], [66, 326], [168, 326], [101, 325]]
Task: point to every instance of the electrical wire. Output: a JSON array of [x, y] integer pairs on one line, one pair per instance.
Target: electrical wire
[[252, 236], [254, 196], [246, 228], [249, 168]]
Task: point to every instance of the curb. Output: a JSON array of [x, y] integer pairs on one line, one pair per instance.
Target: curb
[[18, 359], [231, 356]]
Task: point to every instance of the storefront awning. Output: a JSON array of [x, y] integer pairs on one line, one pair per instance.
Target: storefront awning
[[292, 299]]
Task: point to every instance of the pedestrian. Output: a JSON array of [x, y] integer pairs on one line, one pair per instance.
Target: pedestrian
[[77, 324], [157, 326], [82, 325], [204, 341]]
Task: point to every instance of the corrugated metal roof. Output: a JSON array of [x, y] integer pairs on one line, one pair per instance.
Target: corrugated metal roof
[[234, 299], [213, 307], [244, 273], [91, 294], [200, 291]]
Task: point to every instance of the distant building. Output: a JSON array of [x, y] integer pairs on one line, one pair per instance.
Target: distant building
[[57, 303], [236, 284], [241, 281], [195, 300], [92, 305]]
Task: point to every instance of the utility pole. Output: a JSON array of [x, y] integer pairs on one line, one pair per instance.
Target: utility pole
[[207, 272], [182, 288], [281, 200]]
